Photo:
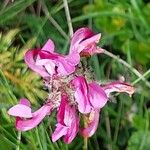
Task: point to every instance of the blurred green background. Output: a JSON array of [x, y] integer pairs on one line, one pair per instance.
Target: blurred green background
[[125, 28]]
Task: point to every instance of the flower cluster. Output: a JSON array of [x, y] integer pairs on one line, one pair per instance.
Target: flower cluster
[[73, 94]]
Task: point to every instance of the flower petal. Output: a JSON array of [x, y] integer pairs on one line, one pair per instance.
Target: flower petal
[[79, 36], [31, 62], [92, 124], [37, 117], [59, 132], [98, 97], [81, 94], [118, 87], [20, 110], [74, 127], [49, 46]]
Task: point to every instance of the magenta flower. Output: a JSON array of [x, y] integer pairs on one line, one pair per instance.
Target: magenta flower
[[91, 97], [73, 93], [84, 41], [48, 63], [88, 96], [25, 119], [67, 122]]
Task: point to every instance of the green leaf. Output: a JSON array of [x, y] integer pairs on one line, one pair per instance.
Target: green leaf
[[13, 10], [139, 140]]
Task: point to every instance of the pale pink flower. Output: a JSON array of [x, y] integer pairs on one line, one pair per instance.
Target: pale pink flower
[[25, 119]]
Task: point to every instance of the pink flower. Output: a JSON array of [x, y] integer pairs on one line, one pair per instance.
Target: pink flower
[[47, 63], [88, 96], [25, 119], [67, 122], [84, 42], [91, 97]]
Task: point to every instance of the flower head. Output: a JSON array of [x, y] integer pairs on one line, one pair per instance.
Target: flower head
[[73, 93]]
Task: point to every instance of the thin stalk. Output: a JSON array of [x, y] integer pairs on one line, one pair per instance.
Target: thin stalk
[[118, 121], [18, 140], [54, 23], [85, 145], [108, 129], [140, 78], [128, 66], [68, 18]]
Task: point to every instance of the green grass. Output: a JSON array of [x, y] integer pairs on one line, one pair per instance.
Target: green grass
[[124, 24]]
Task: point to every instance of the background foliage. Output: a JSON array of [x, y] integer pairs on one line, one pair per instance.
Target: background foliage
[[124, 24]]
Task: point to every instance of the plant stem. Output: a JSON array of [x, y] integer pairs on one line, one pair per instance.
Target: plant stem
[[52, 20], [140, 78], [18, 140], [128, 66], [108, 129], [68, 18], [85, 145]]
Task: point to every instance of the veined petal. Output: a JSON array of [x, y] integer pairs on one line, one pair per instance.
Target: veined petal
[[118, 87], [37, 117], [79, 36], [59, 132], [98, 97], [31, 62], [49, 46], [84, 42], [92, 124], [81, 94], [74, 127]]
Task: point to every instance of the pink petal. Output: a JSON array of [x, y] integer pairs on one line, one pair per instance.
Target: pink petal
[[81, 94], [37, 117], [49, 46], [24, 101], [59, 132], [92, 124], [74, 127], [98, 97], [79, 36], [84, 46], [64, 68], [31, 62], [118, 87], [20, 110]]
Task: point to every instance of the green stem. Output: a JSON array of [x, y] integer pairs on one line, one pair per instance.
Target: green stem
[[140, 78], [68, 18], [128, 66], [18, 140]]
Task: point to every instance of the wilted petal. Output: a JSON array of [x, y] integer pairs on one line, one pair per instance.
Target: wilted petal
[[92, 124], [98, 97], [37, 117], [118, 87]]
